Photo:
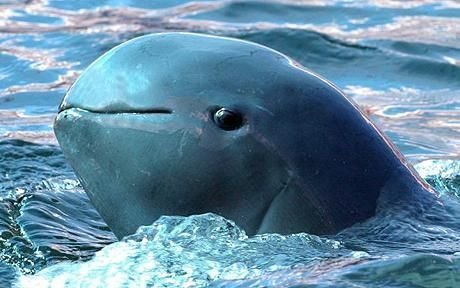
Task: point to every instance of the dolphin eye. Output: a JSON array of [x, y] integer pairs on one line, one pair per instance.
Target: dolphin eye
[[228, 119]]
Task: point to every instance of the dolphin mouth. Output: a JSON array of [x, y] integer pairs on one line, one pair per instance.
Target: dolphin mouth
[[151, 120], [154, 110]]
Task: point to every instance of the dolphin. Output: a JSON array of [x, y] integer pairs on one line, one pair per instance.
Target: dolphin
[[186, 123]]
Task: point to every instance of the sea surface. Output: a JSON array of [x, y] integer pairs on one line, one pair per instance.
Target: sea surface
[[399, 60]]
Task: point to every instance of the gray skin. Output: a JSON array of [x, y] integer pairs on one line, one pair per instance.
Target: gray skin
[[138, 128]]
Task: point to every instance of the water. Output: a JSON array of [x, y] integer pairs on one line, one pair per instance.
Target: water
[[399, 60]]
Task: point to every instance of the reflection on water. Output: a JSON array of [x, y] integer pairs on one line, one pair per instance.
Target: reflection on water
[[399, 60]]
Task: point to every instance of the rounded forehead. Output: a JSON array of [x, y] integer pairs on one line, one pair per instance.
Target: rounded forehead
[[163, 44], [153, 69]]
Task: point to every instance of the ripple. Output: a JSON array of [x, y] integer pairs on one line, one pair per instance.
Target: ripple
[[45, 215], [332, 57], [345, 15]]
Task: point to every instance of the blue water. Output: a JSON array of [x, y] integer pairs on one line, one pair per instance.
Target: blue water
[[399, 60]]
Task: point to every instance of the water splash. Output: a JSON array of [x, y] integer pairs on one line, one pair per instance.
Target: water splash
[[443, 175], [188, 252]]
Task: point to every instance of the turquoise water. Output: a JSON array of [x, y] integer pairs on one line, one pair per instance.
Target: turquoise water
[[399, 60]]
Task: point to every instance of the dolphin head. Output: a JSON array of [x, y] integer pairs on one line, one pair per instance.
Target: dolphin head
[[183, 123]]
